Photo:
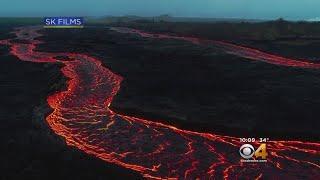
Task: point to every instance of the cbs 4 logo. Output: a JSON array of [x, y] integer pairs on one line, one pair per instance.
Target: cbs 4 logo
[[247, 151]]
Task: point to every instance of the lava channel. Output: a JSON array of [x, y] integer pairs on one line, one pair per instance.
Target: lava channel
[[82, 116]]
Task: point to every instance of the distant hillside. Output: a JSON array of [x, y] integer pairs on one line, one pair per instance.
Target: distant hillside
[[20, 20], [165, 18]]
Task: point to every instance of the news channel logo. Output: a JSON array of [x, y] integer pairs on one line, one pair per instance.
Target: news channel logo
[[249, 154], [63, 22]]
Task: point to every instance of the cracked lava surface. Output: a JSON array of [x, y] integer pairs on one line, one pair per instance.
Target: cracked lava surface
[[82, 116]]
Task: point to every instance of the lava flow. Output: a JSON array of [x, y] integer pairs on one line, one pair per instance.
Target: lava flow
[[82, 116]]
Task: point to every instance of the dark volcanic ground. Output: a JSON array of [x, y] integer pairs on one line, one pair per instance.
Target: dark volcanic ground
[[192, 87], [200, 88], [30, 150]]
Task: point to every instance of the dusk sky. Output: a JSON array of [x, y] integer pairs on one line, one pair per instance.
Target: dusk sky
[[250, 9]]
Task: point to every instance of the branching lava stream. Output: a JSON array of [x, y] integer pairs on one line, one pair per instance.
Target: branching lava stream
[[82, 116]]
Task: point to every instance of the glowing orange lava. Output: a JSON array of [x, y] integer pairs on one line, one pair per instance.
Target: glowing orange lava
[[82, 116]]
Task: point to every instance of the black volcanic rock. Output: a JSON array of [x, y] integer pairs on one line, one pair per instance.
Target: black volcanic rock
[[29, 148], [200, 88]]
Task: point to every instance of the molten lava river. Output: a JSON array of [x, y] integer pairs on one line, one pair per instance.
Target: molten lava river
[[82, 116]]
